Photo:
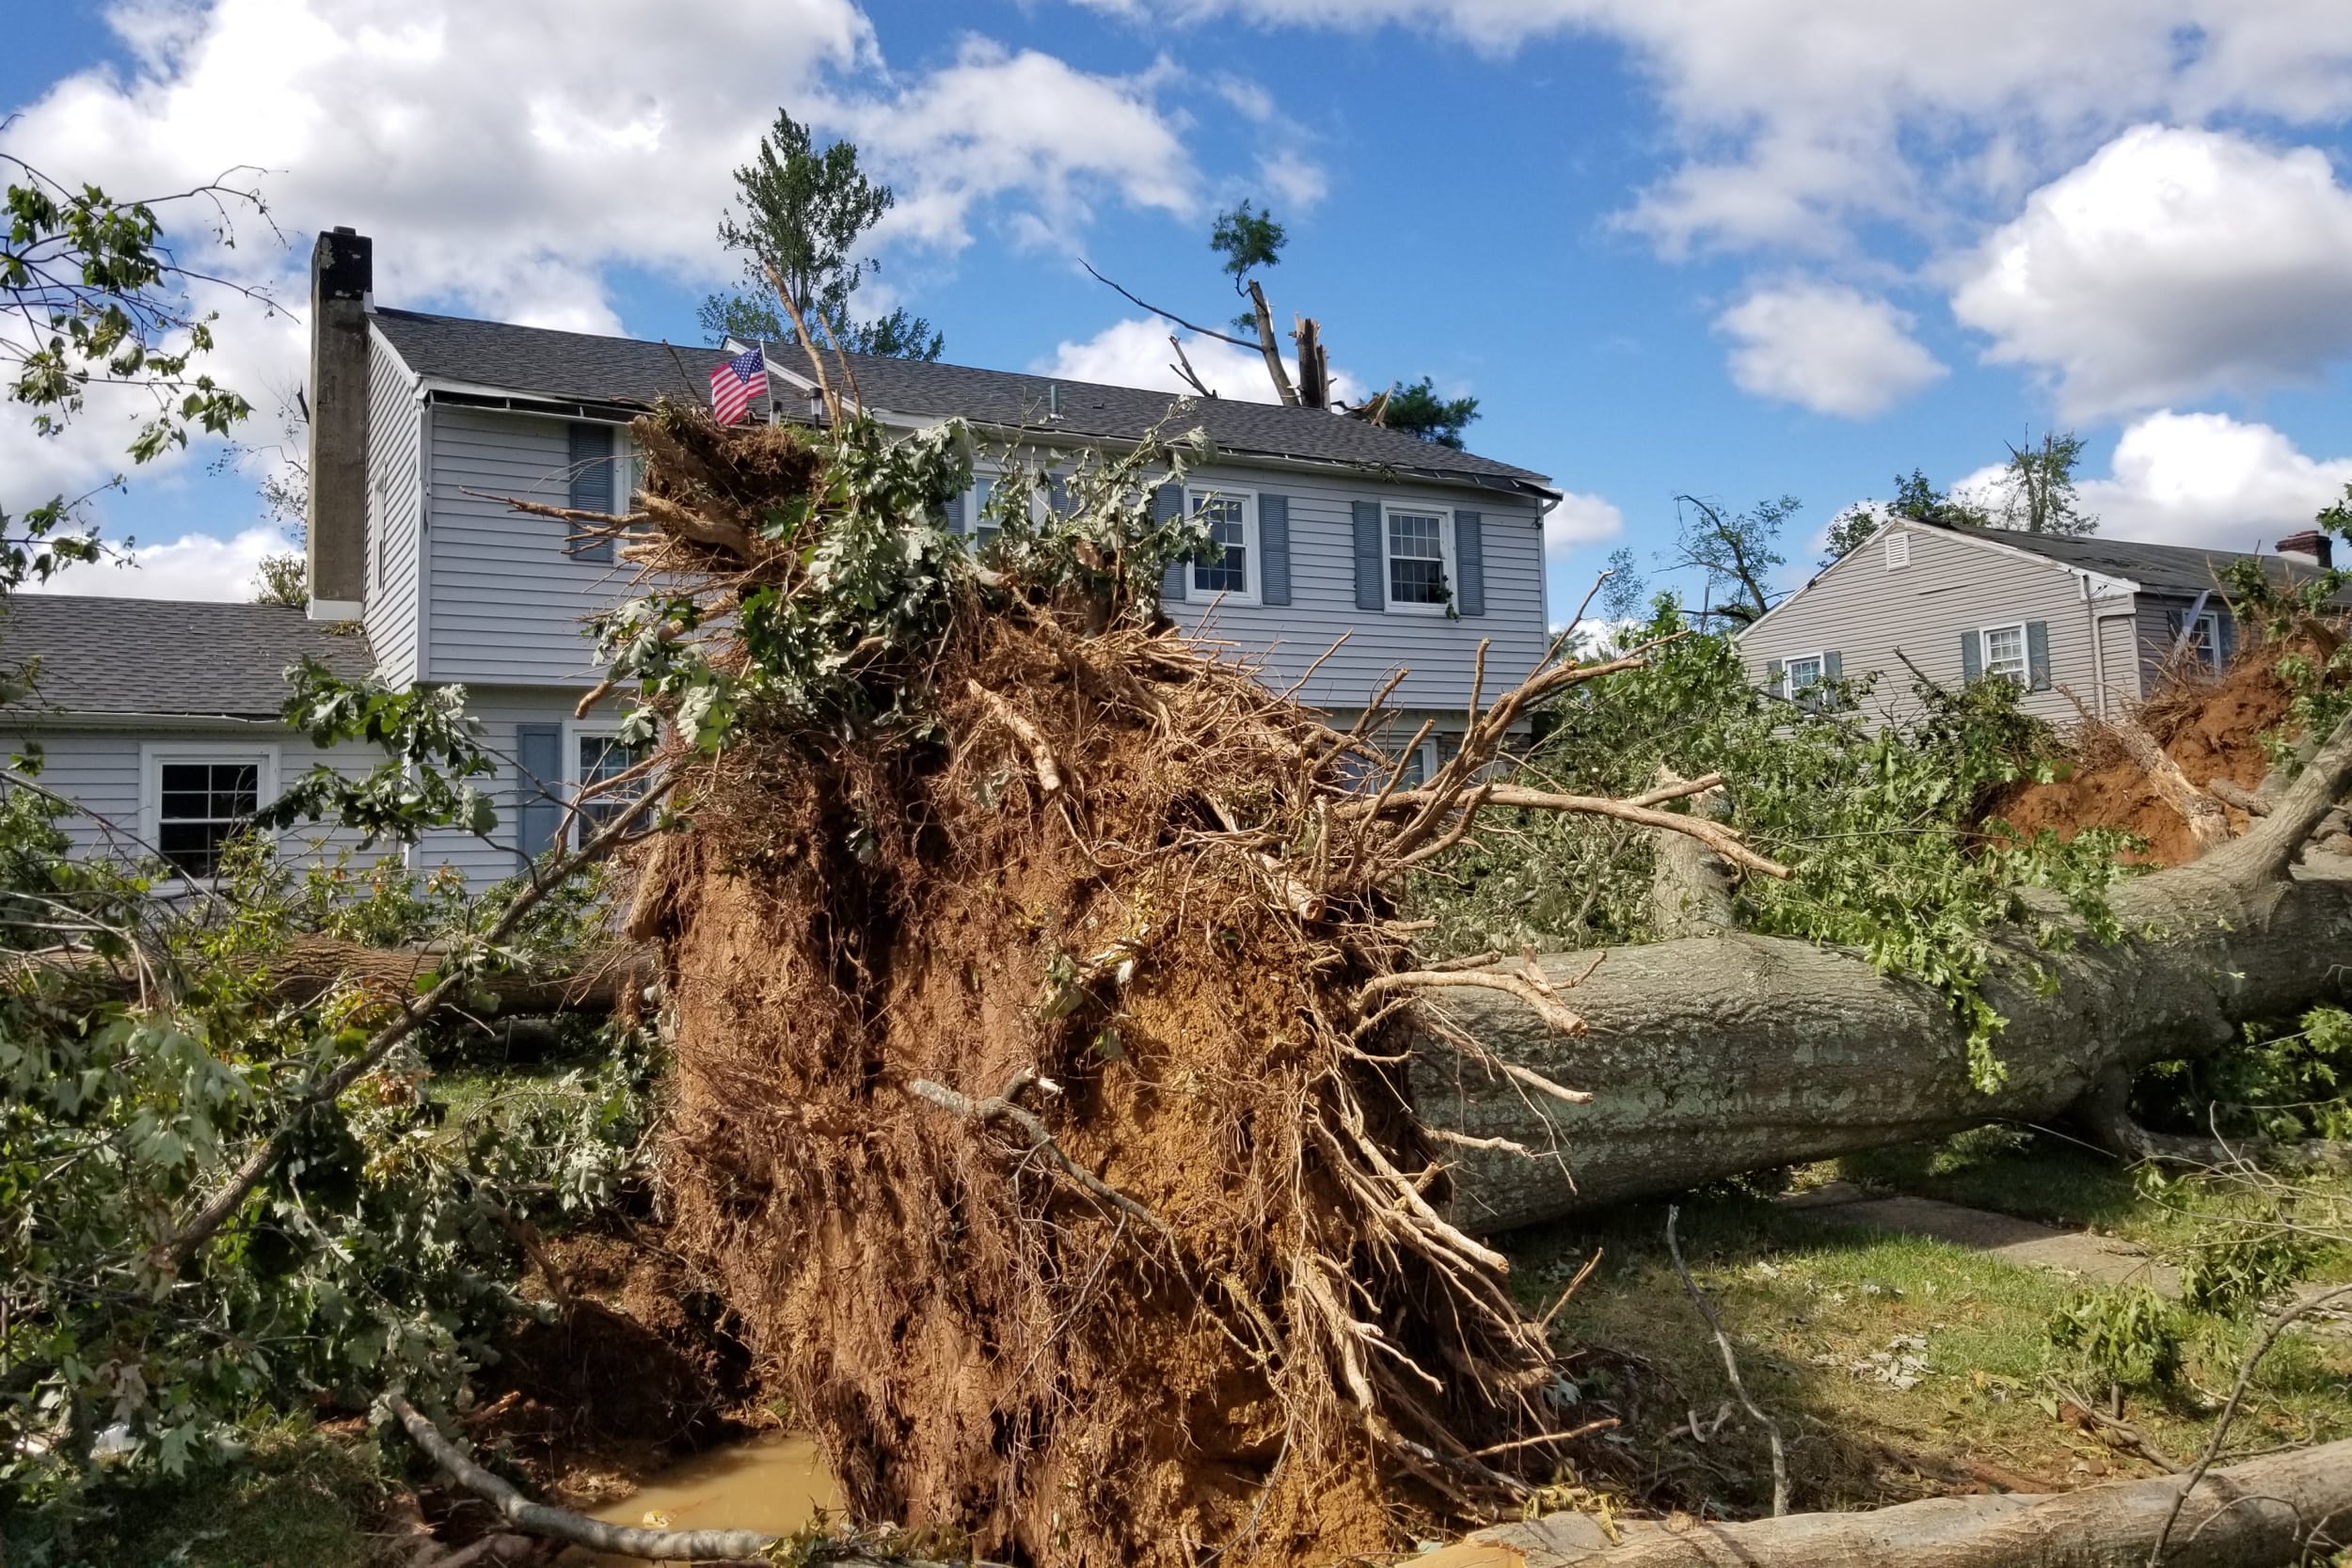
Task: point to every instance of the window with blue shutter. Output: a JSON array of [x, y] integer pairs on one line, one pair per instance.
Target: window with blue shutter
[[1273, 549], [2037, 655], [1371, 566], [1470, 563], [538, 787], [592, 485], [1168, 501]]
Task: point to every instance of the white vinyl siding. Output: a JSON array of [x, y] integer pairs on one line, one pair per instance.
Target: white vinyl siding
[[1436, 653], [395, 515]]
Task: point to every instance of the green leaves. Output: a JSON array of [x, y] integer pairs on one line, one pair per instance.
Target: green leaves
[[430, 749]]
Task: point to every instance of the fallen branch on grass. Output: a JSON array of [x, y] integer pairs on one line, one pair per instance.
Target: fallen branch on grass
[[1731, 1369]]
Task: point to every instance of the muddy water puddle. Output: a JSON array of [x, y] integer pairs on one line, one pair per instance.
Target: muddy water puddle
[[774, 1482]]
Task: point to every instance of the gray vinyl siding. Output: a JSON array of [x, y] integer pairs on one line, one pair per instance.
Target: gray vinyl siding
[[1865, 613], [100, 770], [505, 601], [395, 517], [500, 709], [1438, 653]]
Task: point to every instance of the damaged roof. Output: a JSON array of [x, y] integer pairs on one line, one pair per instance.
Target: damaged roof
[[581, 367], [2161, 568], [168, 657]]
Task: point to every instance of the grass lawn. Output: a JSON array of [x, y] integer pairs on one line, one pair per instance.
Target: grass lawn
[[1897, 1367]]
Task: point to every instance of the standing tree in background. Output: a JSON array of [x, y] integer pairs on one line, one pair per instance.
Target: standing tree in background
[[1922, 502], [1250, 241], [1849, 530], [91, 296], [1737, 553], [803, 214], [2038, 487]]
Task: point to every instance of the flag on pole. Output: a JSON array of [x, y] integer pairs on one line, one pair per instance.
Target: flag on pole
[[733, 383]]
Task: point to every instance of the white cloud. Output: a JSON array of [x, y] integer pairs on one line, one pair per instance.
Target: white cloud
[[508, 158], [1134, 353], [194, 566], [1579, 522], [1827, 348], [2206, 479], [2172, 265], [2210, 479], [1793, 119], [997, 123]]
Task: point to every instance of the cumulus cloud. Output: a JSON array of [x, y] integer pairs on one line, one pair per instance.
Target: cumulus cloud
[[2172, 265], [509, 159], [1796, 118], [1579, 522], [1828, 348], [1134, 353], [2206, 479], [194, 567]]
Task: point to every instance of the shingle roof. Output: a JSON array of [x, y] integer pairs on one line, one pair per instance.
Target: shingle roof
[[575, 366], [167, 655], [2165, 568]]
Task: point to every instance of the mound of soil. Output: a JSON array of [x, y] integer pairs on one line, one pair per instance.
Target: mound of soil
[[2210, 726]]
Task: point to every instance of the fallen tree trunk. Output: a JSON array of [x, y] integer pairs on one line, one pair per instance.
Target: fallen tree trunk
[[2265, 1513], [1714, 1055], [602, 982]]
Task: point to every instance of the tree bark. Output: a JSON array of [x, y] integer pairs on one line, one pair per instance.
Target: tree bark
[[2259, 1514], [1712, 1055]]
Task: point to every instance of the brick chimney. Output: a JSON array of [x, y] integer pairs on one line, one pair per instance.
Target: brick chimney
[[342, 280], [2312, 545]]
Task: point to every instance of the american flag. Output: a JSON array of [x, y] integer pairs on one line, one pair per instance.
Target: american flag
[[733, 383]]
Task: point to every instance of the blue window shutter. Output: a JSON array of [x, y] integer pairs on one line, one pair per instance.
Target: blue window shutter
[[1372, 591], [592, 482], [1971, 656], [1470, 562], [538, 791], [1775, 675], [2037, 655], [1833, 666], [2227, 620], [1168, 501], [1273, 549]]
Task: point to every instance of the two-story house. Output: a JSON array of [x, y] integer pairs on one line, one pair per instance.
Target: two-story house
[[1404, 554], [2090, 619]]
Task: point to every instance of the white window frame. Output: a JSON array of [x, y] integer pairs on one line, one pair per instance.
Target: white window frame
[[1251, 589], [1388, 600], [629, 474], [2024, 652], [153, 754], [575, 731], [2208, 648], [1789, 687]]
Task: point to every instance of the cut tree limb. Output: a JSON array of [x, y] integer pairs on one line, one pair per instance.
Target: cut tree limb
[[1710, 1057]]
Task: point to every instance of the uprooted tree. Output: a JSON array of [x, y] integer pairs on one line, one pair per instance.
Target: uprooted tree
[[1060, 1100]]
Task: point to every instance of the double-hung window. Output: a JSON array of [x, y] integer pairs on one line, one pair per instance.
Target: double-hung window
[[199, 797], [2005, 652], [1232, 519], [1419, 555], [2204, 639], [597, 757], [1804, 672]]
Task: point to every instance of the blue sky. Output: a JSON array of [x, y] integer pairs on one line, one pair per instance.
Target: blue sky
[[1735, 249]]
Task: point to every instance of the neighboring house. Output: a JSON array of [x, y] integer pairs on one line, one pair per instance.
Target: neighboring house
[[422, 426], [2089, 619]]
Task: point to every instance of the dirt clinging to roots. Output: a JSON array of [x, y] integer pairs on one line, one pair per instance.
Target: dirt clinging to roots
[[1107, 898]]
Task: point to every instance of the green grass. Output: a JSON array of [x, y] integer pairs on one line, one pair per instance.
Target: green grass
[[300, 1499], [1803, 1298]]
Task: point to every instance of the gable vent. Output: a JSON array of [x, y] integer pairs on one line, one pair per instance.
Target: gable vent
[[1898, 550]]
